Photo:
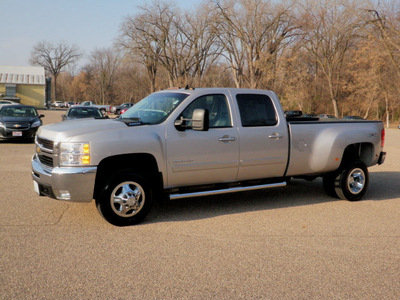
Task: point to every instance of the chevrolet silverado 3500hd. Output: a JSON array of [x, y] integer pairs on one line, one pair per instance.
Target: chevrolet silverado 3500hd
[[196, 142]]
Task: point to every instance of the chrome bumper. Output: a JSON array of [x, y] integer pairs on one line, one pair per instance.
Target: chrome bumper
[[75, 184]]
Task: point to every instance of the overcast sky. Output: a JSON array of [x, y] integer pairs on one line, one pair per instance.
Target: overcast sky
[[89, 24]]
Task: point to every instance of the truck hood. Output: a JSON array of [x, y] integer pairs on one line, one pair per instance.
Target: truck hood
[[66, 130]]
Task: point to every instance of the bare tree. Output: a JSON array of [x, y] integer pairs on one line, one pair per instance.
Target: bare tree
[[183, 45], [54, 58], [386, 30], [104, 64], [252, 33], [330, 29], [198, 30], [140, 46]]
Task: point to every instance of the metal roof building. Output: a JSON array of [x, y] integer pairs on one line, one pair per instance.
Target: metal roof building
[[25, 85]]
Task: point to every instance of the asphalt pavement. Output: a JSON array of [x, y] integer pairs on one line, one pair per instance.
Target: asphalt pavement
[[285, 243]]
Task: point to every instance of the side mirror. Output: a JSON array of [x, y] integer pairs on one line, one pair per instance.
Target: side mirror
[[41, 116], [200, 120]]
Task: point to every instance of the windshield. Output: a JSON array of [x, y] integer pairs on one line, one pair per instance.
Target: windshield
[[155, 108], [22, 112]]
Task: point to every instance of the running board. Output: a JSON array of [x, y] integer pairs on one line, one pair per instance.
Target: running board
[[228, 190]]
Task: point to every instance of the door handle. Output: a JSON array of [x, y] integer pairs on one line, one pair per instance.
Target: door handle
[[227, 138], [275, 136]]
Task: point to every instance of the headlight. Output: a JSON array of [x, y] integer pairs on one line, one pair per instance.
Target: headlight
[[74, 154], [36, 124], [1, 125]]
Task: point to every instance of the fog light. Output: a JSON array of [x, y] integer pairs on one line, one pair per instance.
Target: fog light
[[63, 195]]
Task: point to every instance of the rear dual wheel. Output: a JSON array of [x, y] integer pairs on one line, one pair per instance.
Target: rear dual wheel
[[349, 183]]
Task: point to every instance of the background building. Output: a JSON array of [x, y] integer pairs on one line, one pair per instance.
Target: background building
[[25, 85]]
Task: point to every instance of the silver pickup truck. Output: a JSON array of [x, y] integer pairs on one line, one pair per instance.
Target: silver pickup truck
[[196, 142], [103, 108]]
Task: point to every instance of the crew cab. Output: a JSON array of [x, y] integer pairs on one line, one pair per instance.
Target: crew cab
[[195, 142]]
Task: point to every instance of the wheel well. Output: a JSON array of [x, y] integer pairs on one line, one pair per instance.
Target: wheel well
[[144, 164], [359, 151]]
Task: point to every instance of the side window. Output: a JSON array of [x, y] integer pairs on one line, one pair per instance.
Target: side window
[[217, 107], [256, 110]]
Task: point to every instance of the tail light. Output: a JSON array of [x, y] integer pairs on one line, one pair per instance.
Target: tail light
[[383, 137]]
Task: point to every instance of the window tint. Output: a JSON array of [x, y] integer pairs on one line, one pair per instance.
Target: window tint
[[217, 108], [256, 110], [83, 112], [22, 112]]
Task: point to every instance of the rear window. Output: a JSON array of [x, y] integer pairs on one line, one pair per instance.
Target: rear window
[[256, 110]]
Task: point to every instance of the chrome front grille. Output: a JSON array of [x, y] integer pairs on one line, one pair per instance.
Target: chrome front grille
[[45, 151], [17, 125], [46, 160], [45, 144]]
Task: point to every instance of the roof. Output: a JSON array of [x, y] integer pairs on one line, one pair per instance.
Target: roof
[[22, 75]]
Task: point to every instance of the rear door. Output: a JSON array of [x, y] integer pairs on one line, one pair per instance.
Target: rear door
[[264, 138]]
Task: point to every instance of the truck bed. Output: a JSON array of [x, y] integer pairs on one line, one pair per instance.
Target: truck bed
[[317, 146]]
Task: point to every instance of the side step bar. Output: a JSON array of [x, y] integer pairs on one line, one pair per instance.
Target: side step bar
[[225, 191]]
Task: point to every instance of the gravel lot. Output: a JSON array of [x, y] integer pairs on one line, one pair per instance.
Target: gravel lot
[[285, 243]]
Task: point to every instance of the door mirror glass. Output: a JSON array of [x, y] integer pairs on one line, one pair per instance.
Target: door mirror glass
[[200, 120]]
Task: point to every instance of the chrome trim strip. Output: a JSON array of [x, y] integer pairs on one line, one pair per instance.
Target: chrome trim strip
[[225, 191], [44, 149], [74, 170]]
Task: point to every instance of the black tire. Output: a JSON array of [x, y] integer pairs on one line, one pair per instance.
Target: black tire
[[352, 182], [126, 199], [328, 181]]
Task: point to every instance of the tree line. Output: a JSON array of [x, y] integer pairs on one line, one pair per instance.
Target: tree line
[[339, 57]]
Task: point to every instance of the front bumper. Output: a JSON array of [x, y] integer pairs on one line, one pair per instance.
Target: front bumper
[[75, 184], [13, 134]]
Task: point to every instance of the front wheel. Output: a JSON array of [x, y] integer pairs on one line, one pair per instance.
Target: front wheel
[[126, 200], [352, 182]]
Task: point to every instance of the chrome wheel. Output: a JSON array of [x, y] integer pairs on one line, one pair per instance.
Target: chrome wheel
[[351, 183], [127, 199], [356, 181]]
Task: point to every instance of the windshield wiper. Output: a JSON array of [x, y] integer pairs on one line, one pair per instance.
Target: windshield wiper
[[131, 121]]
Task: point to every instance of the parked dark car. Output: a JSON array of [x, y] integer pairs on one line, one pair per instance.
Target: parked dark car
[[352, 118], [19, 122], [81, 112], [121, 107], [293, 113], [310, 116], [325, 116], [123, 110]]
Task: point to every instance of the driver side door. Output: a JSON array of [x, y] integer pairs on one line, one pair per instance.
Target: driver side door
[[204, 157]]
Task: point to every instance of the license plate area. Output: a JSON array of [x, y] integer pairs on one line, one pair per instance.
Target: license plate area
[[17, 133]]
